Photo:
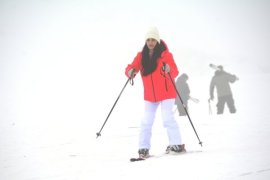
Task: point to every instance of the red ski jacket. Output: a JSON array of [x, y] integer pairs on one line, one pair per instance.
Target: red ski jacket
[[157, 85]]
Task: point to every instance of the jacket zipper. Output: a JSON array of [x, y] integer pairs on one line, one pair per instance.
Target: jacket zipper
[[153, 88]]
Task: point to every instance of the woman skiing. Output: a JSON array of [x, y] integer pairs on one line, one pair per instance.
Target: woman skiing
[[154, 63]]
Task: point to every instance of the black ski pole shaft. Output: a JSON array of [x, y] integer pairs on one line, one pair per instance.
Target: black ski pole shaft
[[200, 142], [99, 133]]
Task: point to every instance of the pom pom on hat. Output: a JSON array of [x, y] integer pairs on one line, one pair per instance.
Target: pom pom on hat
[[152, 33]]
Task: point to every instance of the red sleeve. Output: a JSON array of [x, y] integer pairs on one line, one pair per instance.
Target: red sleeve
[[136, 64]]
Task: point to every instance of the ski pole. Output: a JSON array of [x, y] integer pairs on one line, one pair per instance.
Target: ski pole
[[194, 99], [99, 133], [200, 142]]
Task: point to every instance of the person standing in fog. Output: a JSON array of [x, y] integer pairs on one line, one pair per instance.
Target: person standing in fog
[[221, 81], [183, 88], [154, 62]]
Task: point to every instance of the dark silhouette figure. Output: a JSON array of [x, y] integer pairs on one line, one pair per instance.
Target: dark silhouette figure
[[184, 91], [221, 81]]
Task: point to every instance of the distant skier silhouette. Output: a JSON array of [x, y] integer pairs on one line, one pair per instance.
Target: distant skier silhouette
[[221, 81], [183, 88]]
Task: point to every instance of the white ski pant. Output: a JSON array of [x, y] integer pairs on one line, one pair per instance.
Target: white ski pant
[[168, 119]]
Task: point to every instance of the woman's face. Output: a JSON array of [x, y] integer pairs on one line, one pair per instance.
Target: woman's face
[[151, 43]]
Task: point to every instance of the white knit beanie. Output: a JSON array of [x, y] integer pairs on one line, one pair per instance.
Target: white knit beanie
[[152, 33]]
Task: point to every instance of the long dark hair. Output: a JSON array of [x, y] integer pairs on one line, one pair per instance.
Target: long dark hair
[[149, 65]]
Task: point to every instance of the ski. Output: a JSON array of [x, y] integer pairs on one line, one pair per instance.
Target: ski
[[136, 159], [214, 66], [140, 158], [164, 154]]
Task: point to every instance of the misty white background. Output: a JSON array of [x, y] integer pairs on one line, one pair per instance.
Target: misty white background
[[62, 67]]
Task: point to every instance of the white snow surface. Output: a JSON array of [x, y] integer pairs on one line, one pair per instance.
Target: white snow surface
[[235, 146], [62, 68]]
